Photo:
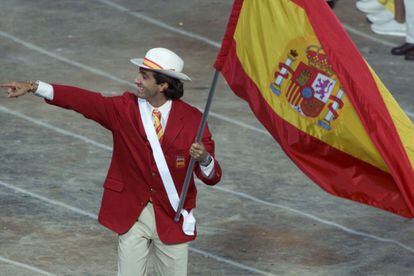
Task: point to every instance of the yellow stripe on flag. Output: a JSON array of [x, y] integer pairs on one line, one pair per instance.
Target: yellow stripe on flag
[[403, 124], [389, 5]]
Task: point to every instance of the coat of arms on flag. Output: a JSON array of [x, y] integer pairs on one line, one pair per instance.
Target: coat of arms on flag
[[307, 82]]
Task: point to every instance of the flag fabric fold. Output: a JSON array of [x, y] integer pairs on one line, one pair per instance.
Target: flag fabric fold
[[306, 82]]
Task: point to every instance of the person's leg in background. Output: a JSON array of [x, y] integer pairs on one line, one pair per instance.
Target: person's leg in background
[[407, 49], [395, 26], [369, 6], [409, 10], [399, 11]]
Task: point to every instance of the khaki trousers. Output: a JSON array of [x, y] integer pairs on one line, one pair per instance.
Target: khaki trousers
[[134, 247]]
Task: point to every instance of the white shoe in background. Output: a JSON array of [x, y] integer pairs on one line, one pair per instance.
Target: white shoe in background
[[390, 28], [380, 17], [371, 6]]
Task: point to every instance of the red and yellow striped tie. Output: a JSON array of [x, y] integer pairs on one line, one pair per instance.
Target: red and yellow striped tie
[[156, 115]]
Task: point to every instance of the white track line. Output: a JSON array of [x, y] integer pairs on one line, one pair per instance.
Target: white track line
[[368, 36], [48, 200], [312, 217], [95, 217], [239, 194], [228, 261], [63, 59], [26, 266], [56, 129], [236, 122], [213, 43], [410, 114], [161, 24]]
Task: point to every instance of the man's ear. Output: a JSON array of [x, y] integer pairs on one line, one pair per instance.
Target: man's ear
[[163, 86]]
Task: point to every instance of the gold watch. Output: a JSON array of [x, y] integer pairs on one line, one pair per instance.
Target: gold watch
[[33, 86]]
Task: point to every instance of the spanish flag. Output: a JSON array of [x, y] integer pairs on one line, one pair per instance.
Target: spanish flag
[[306, 82], [389, 5]]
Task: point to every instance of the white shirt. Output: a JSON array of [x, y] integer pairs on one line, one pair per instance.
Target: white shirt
[[45, 90]]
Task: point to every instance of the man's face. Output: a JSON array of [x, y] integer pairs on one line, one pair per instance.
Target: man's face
[[147, 88]]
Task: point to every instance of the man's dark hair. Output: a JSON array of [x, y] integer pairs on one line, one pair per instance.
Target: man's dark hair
[[175, 88]]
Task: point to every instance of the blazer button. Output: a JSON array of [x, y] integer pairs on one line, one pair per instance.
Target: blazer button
[[152, 190], [154, 174]]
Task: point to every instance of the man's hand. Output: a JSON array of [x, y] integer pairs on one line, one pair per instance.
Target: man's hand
[[198, 152], [16, 89]]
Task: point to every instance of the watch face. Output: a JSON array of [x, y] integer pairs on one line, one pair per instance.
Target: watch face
[[206, 160]]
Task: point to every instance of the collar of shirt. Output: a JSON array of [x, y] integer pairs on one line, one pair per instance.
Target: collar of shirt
[[165, 111]]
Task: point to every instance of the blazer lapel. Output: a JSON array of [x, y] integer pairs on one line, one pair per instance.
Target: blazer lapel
[[174, 125]]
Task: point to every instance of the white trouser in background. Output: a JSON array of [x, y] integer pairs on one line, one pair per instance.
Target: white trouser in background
[[409, 18]]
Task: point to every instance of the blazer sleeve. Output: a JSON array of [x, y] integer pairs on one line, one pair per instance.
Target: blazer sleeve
[[210, 146], [90, 104]]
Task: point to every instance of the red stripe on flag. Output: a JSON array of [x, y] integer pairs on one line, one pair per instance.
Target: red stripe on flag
[[289, 89], [297, 96], [363, 93]]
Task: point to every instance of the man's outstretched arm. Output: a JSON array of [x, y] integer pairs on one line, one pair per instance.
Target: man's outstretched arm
[[90, 104]]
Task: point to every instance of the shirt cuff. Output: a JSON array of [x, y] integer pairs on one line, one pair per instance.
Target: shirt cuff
[[44, 90], [207, 171]]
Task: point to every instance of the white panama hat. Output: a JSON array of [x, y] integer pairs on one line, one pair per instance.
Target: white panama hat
[[163, 61]]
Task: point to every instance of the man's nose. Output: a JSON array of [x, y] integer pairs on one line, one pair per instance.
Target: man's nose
[[138, 79]]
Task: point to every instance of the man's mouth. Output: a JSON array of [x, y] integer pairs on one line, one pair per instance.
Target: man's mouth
[[140, 89]]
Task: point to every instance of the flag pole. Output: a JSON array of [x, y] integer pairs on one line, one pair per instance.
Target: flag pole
[[198, 139]]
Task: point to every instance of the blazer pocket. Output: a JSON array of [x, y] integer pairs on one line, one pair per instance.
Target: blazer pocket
[[114, 185]]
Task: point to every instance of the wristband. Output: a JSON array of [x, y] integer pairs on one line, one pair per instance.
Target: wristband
[[33, 86], [206, 161]]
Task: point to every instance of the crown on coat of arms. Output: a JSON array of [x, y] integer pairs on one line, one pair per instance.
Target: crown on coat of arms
[[319, 60]]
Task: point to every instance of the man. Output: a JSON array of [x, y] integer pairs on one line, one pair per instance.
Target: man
[[154, 133]]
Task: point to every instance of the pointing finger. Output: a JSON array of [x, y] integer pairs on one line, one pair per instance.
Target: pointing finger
[[6, 85]]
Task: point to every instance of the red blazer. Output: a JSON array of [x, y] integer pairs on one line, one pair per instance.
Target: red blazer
[[133, 175]]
